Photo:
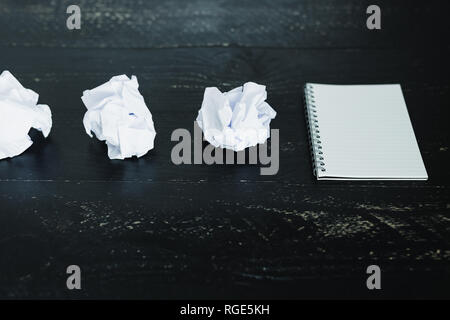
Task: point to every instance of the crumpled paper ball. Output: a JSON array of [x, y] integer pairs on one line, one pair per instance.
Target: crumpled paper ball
[[117, 114], [236, 119], [19, 112]]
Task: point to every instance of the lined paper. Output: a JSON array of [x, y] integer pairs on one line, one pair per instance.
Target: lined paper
[[366, 133]]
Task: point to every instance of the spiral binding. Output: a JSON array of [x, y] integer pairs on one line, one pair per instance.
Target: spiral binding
[[318, 159]]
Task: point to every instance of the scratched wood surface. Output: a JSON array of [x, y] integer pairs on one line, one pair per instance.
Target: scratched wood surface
[[146, 228]]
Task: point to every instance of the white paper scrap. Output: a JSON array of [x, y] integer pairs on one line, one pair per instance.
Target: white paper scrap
[[19, 112], [117, 114], [237, 119]]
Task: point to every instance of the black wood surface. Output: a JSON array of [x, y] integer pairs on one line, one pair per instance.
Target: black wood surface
[[146, 228]]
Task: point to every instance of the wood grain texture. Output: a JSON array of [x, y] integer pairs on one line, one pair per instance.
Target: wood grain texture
[[223, 23], [146, 228], [233, 240]]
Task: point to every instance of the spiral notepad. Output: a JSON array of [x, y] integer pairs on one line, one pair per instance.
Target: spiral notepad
[[361, 132]]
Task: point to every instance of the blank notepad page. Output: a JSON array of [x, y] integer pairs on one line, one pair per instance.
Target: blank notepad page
[[363, 132]]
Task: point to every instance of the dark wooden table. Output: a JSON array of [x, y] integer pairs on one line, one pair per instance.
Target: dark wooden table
[[146, 228]]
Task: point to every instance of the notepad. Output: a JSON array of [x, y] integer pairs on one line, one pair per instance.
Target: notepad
[[361, 132]]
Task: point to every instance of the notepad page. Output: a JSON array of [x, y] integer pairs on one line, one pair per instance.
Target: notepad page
[[366, 133]]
